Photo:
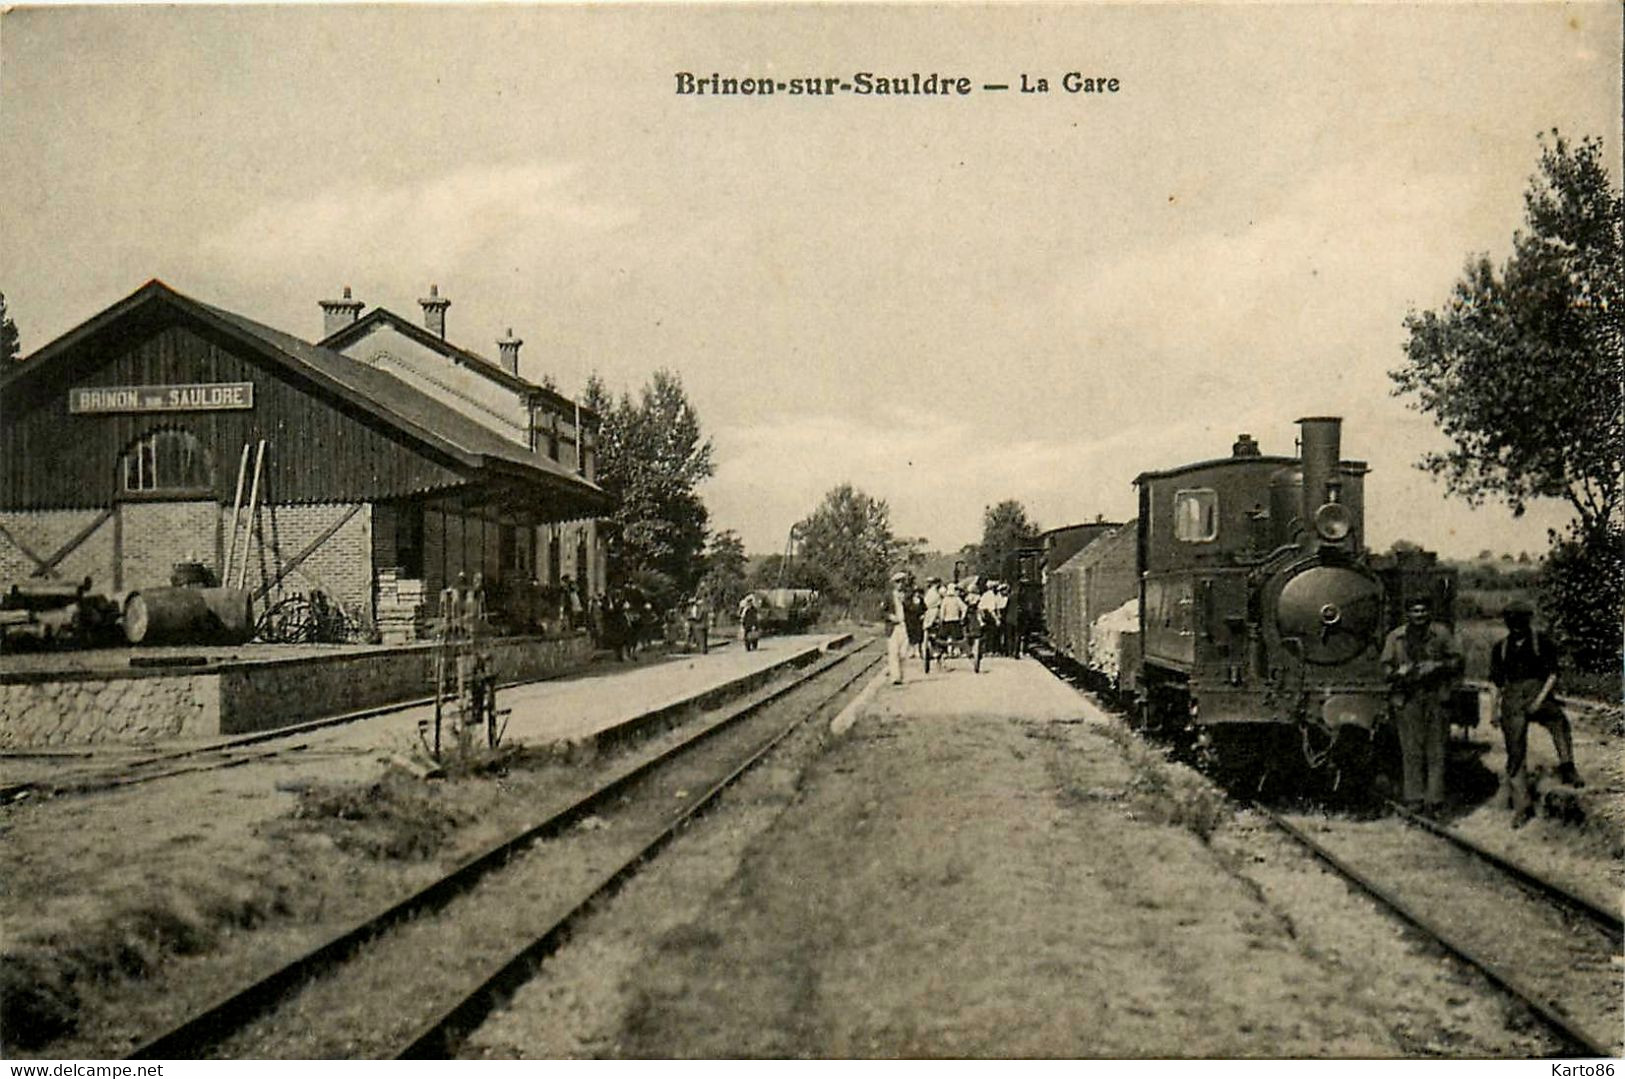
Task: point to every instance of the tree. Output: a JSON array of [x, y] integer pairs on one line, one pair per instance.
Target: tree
[[850, 539], [651, 456], [1005, 530], [724, 581], [1580, 587], [10, 344], [1522, 368], [771, 572]]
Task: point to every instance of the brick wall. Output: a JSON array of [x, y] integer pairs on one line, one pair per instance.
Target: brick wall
[[341, 566], [44, 532], [156, 535]]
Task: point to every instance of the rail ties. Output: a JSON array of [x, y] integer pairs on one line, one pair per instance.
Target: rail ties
[[1549, 1012], [1608, 919], [439, 1038], [219, 1021]]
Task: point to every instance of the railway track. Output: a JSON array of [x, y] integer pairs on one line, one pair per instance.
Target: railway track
[[1553, 951], [521, 897]]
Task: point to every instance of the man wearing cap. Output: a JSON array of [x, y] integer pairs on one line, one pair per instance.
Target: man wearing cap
[[1523, 670], [990, 612], [898, 601], [1422, 661]]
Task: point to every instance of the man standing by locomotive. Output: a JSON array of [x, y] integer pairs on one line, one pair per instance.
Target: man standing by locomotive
[[1523, 669], [1422, 661]]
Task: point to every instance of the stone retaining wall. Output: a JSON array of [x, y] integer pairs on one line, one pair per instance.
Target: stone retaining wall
[[133, 709], [236, 697]]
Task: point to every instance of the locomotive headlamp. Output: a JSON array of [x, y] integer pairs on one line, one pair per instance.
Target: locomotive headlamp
[[1333, 522]]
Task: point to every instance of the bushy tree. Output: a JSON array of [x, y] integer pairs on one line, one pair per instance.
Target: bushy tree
[[1581, 588], [1522, 368], [652, 455], [10, 342], [849, 538], [774, 572], [724, 583], [1005, 530]]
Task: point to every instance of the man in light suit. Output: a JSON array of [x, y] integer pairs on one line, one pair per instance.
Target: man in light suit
[[896, 613]]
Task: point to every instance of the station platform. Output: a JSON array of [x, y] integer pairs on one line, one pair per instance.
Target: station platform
[[573, 716], [584, 713], [1014, 688]]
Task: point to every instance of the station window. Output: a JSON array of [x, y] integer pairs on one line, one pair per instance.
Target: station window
[[167, 460], [1196, 515]]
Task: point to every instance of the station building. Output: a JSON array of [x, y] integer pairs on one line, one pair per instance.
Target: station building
[[395, 465], [494, 395]]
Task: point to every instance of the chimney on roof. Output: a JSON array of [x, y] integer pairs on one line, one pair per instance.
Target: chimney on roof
[[1244, 446], [434, 312], [510, 352], [337, 314]]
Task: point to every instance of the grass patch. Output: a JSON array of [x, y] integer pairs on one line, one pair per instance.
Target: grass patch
[[395, 817], [1167, 792], [45, 975]]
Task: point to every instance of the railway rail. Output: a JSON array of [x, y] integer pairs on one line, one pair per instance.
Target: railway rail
[[1584, 937], [1551, 950], [229, 1019]]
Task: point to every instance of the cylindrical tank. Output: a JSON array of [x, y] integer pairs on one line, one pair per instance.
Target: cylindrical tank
[[1286, 503], [188, 616]]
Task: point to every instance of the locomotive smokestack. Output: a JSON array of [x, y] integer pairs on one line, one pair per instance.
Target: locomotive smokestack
[[1321, 452]]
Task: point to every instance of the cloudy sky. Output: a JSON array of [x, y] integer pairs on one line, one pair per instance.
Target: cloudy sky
[[947, 301]]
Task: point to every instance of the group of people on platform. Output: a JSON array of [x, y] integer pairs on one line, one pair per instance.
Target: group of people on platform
[[623, 623], [954, 614], [1423, 662], [627, 624]]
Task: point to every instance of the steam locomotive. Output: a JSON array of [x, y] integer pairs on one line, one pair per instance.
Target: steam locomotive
[[1242, 609]]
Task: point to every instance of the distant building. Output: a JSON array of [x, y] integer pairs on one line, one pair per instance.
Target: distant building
[[122, 443]]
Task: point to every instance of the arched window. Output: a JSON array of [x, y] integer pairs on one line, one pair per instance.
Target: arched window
[[167, 460]]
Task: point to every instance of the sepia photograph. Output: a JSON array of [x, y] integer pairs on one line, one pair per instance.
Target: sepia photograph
[[812, 532]]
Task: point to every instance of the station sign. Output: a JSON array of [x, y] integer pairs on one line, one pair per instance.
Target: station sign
[[187, 397]]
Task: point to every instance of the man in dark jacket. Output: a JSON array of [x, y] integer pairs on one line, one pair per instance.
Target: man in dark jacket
[[1423, 662], [1523, 669]]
